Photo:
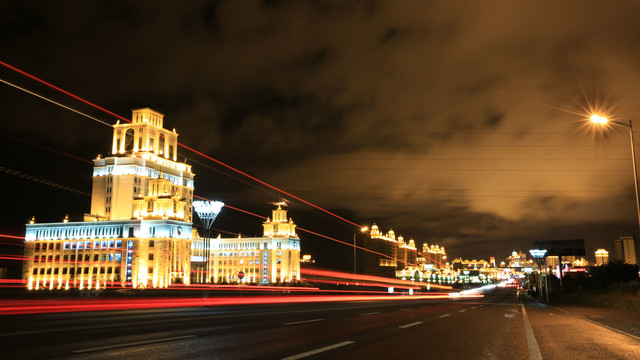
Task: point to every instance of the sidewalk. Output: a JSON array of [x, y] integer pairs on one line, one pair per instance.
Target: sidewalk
[[580, 332], [625, 321]]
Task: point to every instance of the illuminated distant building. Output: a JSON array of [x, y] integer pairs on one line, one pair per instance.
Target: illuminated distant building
[[406, 253], [625, 249], [306, 259], [138, 233], [383, 262], [518, 259], [582, 262], [434, 255], [272, 258], [552, 260], [602, 257]]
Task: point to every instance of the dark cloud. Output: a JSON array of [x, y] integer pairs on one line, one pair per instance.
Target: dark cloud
[[459, 124]]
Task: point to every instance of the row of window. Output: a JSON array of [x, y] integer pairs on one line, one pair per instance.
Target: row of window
[[81, 270], [81, 257]]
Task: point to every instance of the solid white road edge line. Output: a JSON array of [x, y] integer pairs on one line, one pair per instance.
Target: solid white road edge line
[[532, 344]]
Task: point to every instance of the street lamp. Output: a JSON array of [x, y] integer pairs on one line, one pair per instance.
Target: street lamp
[[597, 119], [363, 229]]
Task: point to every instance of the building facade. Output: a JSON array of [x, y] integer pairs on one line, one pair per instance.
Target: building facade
[[272, 258], [138, 233], [602, 257], [382, 261], [625, 249]]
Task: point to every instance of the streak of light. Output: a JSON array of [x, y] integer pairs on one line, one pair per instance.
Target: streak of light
[[9, 307], [12, 236], [357, 283], [341, 275]]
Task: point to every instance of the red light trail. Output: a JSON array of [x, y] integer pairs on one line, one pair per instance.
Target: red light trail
[[15, 307]]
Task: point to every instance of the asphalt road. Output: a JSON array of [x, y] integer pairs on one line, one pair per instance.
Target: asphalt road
[[495, 327]]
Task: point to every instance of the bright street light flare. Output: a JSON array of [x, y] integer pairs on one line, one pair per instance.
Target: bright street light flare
[[598, 119]]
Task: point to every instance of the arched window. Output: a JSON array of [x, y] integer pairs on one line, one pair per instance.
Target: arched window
[[128, 140]]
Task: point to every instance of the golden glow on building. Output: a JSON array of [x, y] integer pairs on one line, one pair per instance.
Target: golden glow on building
[[273, 258], [602, 257], [138, 233]]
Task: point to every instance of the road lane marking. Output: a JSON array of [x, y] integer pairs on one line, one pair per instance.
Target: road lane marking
[[133, 344], [473, 308], [444, 315], [532, 344], [302, 322], [317, 351], [404, 309], [463, 310], [410, 325], [370, 313]]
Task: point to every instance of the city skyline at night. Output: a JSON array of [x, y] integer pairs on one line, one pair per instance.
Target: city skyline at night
[[426, 120]]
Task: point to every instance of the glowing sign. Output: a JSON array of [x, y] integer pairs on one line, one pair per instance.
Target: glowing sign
[[538, 253]]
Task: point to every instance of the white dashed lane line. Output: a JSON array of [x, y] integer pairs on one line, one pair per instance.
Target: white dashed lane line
[[409, 325], [444, 315], [317, 351], [302, 322], [370, 313]]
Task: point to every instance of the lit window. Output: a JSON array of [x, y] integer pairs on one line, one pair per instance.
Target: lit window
[[111, 257], [103, 257], [118, 257]]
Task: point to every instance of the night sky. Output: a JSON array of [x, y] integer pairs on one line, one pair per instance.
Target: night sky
[[462, 124]]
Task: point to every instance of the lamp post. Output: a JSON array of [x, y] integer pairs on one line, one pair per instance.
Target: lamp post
[[363, 229], [207, 212], [602, 121]]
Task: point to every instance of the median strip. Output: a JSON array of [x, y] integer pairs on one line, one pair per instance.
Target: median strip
[[317, 351], [302, 322], [133, 344], [410, 325]]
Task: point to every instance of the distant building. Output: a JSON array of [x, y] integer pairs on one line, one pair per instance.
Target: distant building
[[382, 261], [138, 233], [602, 257], [552, 260], [272, 258], [518, 259], [407, 254], [435, 256], [307, 259], [625, 249]]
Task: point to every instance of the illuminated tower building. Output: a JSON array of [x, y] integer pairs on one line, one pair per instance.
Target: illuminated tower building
[[383, 260], [625, 249], [435, 256], [138, 233], [406, 254], [602, 257], [272, 258]]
